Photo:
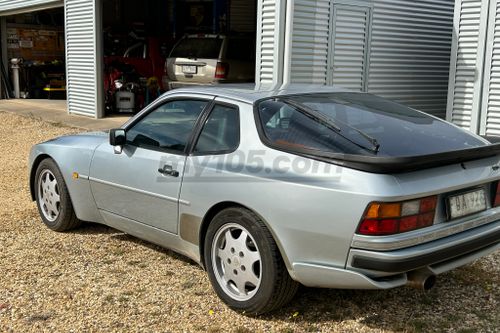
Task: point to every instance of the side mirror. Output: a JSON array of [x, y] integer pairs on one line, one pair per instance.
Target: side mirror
[[117, 139]]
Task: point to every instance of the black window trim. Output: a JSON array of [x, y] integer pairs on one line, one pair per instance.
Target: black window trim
[[197, 131], [375, 164], [155, 106]]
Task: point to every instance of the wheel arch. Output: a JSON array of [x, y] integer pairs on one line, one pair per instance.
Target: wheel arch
[[217, 208], [34, 167]]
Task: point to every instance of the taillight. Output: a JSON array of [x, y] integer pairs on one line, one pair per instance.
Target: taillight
[[394, 218], [222, 70], [496, 202]]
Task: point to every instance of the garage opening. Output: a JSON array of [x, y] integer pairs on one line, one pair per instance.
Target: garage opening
[[157, 45], [35, 49]]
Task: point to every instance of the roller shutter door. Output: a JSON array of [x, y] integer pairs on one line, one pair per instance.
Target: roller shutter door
[[12, 7]]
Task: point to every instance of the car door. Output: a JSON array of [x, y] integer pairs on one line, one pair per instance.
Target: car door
[[142, 183]]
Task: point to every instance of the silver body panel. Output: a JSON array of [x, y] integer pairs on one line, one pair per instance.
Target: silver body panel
[[312, 214], [132, 177]]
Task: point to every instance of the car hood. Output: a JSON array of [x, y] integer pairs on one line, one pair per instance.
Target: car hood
[[89, 140]]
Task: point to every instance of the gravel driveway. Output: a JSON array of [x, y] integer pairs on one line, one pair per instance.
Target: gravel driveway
[[97, 279]]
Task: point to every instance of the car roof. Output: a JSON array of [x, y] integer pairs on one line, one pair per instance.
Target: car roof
[[249, 93]]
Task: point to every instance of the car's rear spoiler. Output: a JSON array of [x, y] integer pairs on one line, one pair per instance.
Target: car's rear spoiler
[[399, 164]]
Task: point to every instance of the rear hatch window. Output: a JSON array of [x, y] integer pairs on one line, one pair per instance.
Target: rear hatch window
[[357, 124], [197, 47]]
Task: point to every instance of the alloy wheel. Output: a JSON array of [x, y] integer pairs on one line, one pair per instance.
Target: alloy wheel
[[236, 262], [48, 195]]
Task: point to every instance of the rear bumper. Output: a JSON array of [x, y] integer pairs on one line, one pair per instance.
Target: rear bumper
[[322, 276], [179, 84], [444, 250], [368, 269], [394, 263], [185, 84]]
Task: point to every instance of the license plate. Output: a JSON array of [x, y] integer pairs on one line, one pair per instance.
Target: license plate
[[466, 203], [189, 69]]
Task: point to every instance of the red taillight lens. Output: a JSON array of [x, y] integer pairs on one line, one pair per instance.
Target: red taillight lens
[[222, 70], [394, 218], [425, 220], [408, 223], [428, 204], [378, 227], [496, 202]]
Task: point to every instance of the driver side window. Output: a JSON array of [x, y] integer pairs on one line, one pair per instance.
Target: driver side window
[[168, 127]]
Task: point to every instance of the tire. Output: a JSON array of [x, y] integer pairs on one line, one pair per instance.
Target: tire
[[52, 198], [244, 264]]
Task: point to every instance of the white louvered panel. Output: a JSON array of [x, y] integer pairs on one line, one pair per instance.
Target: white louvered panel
[[493, 86], [9, 7], [410, 52], [350, 46], [465, 68], [267, 42], [242, 15], [81, 57], [310, 33]]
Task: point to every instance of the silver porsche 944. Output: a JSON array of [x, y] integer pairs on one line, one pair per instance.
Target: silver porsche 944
[[271, 189]]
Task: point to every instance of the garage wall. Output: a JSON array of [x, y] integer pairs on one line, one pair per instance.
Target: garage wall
[[410, 52], [399, 49], [350, 46], [309, 41], [83, 48], [467, 62], [11, 7], [270, 42], [490, 106]]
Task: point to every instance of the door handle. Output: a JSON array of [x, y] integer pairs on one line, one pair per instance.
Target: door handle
[[167, 170]]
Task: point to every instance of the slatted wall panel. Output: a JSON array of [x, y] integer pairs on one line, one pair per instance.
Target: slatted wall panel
[[81, 57], [309, 49], [410, 52], [491, 105], [351, 29], [467, 59], [9, 7]]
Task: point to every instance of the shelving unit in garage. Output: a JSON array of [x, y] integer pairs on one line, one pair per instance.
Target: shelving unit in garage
[[38, 39]]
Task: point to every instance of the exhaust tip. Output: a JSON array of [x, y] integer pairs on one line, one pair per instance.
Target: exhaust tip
[[422, 280], [429, 283]]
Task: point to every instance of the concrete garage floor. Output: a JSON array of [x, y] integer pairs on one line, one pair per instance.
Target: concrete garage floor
[[55, 111]]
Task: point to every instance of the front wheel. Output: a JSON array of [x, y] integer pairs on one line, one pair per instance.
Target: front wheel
[[244, 264], [52, 198]]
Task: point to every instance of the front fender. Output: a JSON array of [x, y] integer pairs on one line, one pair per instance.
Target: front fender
[[72, 154]]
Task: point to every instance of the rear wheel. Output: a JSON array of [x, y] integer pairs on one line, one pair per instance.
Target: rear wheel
[[52, 198], [244, 264]]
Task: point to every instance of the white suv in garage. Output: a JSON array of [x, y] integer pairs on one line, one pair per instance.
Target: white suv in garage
[[202, 59]]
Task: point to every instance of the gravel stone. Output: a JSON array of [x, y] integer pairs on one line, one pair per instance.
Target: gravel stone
[[97, 279]]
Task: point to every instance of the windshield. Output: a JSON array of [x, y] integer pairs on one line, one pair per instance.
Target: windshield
[[197, 47], [359, 124]]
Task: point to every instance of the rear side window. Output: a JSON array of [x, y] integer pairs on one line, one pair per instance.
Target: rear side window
[[221, 132], [198, 47]]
